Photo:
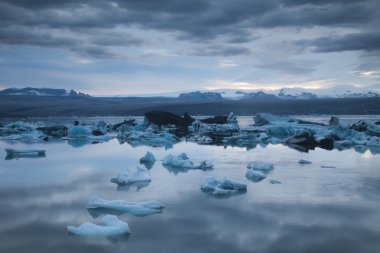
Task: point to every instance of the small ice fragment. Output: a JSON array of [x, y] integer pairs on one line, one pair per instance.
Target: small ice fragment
[[328, 167], [206, 165], [302, 161], [260, 166], [223, 187], [15, 154], [135, 208], [148, 158], [128, 177], [272, 181], [112, 227]]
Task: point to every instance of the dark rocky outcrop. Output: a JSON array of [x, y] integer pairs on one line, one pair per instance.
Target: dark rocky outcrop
[[215, 120]]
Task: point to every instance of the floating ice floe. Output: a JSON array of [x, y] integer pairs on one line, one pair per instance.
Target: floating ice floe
[[15, 154], [97, 205], [303, 161], [129, 177], [257, 171], [148, 158], [225, 187], [181, 161], [111, 227]]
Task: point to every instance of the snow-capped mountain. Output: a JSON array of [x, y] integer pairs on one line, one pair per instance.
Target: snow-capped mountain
[[197, 95], [40, 92], [345, 91]]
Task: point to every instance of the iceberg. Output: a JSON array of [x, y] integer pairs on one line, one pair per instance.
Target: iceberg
[[119, 207], [182, 161], [15, 154], [225, 187], [231, 119], [128, 177], [148, 158], [79, 132], [112, 227]]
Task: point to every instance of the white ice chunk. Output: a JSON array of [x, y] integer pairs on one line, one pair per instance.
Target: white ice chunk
[[112, 227], [134, 208], [128, 177], [178, 161], [148, 158], [260, 166], [223, 187]]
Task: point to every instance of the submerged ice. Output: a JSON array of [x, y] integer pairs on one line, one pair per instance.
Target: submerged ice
[[16, 154], [124, 207]]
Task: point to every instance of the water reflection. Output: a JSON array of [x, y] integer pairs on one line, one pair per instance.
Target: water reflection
[[314, 209]]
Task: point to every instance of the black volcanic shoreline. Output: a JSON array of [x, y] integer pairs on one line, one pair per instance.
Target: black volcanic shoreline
[[44, 106]]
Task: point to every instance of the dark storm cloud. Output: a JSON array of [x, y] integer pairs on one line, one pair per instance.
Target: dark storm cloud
[[350, 42], [199, 21]]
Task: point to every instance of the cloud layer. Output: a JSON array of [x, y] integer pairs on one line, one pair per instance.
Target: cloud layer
[[268, 37]]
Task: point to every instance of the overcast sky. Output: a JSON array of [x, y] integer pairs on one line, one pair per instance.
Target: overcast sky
[[129, 47]]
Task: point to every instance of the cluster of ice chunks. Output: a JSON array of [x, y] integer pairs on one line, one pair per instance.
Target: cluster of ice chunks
[[268, 128], [113, 227], [97, 205]]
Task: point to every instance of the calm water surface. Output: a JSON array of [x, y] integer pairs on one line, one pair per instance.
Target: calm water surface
[[314, 209]]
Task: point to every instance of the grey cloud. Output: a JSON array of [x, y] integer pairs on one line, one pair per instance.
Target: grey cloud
[[288, 67], [199, 21], [351, 42]]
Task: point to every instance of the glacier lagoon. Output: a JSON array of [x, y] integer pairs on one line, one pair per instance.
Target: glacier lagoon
[[330, 205]]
